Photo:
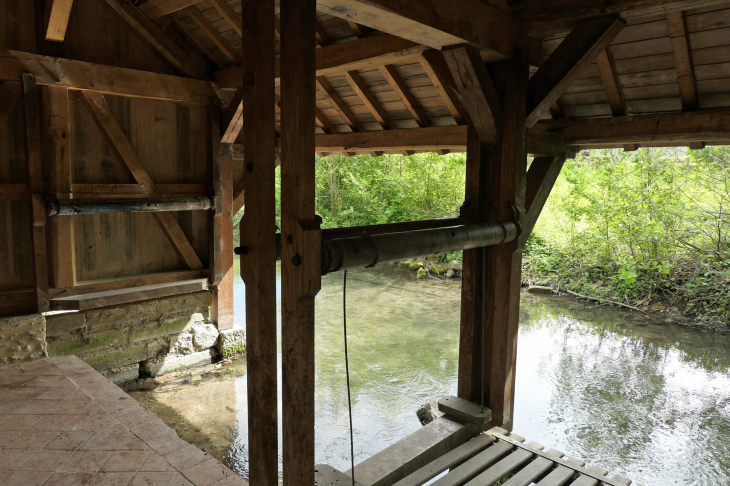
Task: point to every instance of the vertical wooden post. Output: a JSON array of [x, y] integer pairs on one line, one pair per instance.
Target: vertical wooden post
[[505, 260], [31, 121], [57, 130], [472, 280], [301, 237], [258, 261], [221, 231]]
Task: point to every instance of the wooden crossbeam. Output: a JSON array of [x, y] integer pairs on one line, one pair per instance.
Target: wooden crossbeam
[[362, 54], [57, 125], [340, 107], [157, 8], [438, 24], [211, 31], [147, 30], [679, 35], [399, 86], [697, 126], [369, 99], [87, 76], [574, 54], [118, 141], [434, 64], [233, 19], [56, 19], [31, 128], [479, 96]]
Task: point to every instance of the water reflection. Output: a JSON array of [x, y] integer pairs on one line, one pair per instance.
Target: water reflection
[[645, 399]]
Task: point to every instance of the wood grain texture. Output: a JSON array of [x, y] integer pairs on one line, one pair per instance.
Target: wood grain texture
[[300, 262], [147, 30], [58, 149], [157, 8], [214, 34], [258, 265], [339, 106], [367, 97], [434, 64], [478, 93], [34, 167], [684, 65], [541, 177], [399, 86], [230, 16], [584, 43], [611, 81], [56, 19], [125, 152]]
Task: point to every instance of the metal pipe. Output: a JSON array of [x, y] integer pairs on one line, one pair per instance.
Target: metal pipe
[[71, 207], [369, 250]]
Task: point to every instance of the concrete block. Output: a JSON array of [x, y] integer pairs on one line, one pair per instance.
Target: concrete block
[[169, 364], [123, 376], [204, 336], [232, 342], [22, 338]]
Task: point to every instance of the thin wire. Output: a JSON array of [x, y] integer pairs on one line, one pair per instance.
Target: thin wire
[[347, 372], [484, 315]]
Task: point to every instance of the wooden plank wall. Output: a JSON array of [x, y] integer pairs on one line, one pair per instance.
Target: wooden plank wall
[[170, 139]]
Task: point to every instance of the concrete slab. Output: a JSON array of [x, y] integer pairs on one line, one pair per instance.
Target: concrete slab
[[61, 422]]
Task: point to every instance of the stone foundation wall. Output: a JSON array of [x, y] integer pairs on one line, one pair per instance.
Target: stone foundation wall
[[153, 337]]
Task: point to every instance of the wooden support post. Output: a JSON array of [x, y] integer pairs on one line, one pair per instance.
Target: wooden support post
[[504, 262], [57, 131], [31, 121], [258, 264], [300, 262]]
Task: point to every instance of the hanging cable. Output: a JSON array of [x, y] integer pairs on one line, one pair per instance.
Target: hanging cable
[[484, 315], [347, 373]]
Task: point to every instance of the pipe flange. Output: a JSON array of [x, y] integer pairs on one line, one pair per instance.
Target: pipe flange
[[377, 248]]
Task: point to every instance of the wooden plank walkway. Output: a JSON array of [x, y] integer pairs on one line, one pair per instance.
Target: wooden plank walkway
[[62, 423]]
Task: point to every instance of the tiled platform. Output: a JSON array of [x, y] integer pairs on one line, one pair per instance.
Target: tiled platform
[[64, 424]]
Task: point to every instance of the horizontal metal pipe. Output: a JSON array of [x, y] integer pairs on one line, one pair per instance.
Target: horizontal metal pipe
[[377, 229], [368, 250], [111, 206]]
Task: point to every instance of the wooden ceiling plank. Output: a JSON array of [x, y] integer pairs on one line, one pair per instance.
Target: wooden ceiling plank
[[228, 14], [438, 71], [567, 62], [362, 54], [216, 59], [157, 8], [399, 86], [340, 107], [438, 24], [692, 126], [369, 99], [169, 51], [323, 38], [118, 141], [56, 19], [679, 35], [478, 93], [357, 29], [214, 34]]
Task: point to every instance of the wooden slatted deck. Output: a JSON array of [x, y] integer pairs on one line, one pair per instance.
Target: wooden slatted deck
[[493, 457]]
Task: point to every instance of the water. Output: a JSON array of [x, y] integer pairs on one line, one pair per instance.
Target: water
[[643, 398]]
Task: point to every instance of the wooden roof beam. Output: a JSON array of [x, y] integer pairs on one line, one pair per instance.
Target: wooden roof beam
[[434, 64], [679, 35], [335, 59], [369, 99], [452, 138], [577, 51], [479, 96], [169, 51], [439, 24], [669, 128], [233, 19], [323, 38], [215, 35], [612, 84], [157, 8], [340, 107], [214, 57], [399, 86], [56, 19]]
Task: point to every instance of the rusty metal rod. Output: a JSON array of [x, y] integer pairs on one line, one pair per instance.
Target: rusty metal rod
[[111, 206]]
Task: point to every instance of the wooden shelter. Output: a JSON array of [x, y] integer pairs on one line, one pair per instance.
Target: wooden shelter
[[112, 109]]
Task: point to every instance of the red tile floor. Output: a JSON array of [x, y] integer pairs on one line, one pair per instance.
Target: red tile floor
[[64, 424]]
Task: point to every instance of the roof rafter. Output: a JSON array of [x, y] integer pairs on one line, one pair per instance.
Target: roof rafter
[[679, 35], [56, 19], [211, 31], [434, 64], [399, 86]]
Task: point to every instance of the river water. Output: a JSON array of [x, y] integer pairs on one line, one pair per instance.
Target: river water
[[639, 396]]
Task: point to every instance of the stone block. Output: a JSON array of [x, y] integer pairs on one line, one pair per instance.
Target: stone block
[[60, 325], [125, 355], [232, 342], [22, 338], [169, 364], [182, 344], [123, 376], [204, 336]]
